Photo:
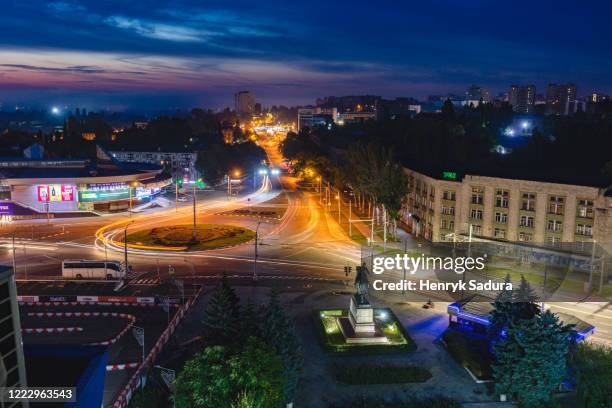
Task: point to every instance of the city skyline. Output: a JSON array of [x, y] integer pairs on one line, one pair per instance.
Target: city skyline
[[119, 56]]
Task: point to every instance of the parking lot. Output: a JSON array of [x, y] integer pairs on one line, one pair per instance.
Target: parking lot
[[85, 313]]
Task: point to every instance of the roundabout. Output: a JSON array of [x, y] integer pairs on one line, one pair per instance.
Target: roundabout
[[178, 237]]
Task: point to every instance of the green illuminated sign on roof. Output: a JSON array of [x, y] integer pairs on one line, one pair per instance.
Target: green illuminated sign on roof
[[451, 175]]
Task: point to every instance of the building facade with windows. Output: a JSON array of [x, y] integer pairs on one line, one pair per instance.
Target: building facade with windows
[[522, 98], [244, 102], [180, 164], [440, 209], [559, 98]]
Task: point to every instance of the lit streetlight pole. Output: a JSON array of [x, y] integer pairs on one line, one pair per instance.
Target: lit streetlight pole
[[176, 191], [140, 338], [339, 210], [256, 249], [350, 222], [194, 212], [125, 246]]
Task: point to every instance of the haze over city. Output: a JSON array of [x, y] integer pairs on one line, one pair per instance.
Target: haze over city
[[148, 55]]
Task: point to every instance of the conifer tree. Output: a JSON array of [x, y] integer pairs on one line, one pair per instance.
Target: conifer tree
[[278, 330], [531, 359], [221, 322]]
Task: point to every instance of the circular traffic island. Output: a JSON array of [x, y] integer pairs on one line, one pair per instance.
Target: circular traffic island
[[208, 236]]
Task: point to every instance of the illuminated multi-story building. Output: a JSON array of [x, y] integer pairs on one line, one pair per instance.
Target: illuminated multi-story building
[[244, 104], [474, 94], [522, 98], [559, 97], [440, 208]]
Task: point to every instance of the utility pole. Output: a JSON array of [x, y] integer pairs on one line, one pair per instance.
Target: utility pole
[[229, 186], [25, 262], [350, 222], [194, 211], [601, 275], [592, 266], [404, 264], [255, 258], [125, 247], [105, 258], [544, 285], [339, 209], [130, 192], [14, 262], [372, 231], [176, 189], [385, 228]]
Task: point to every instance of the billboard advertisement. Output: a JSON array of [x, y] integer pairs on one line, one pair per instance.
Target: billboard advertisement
[[55, 192], [6, 208]]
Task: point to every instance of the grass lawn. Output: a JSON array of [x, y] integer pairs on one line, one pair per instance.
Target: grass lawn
[[208, 236], [554, 280], [332, 340], [258, 211]]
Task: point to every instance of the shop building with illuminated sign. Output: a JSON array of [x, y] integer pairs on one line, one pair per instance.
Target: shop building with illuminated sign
[[63, 186]]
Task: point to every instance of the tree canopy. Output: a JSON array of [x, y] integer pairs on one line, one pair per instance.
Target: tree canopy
[[215, 378]]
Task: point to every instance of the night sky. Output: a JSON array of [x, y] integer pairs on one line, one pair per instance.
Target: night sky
[[134, 54]]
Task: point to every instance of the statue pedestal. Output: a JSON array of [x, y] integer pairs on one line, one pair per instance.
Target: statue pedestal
[[359, 326], [361, 316]]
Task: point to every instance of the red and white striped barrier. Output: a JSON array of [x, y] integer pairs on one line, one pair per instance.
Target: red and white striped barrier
[[83, 314], [38, 330], [131, 319], [120, 367], [23, 303], [124, 397]]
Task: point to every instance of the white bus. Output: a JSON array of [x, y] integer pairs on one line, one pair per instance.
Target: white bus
[[86, 269]]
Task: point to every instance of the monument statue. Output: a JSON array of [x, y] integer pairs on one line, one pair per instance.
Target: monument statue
[[362, 284]]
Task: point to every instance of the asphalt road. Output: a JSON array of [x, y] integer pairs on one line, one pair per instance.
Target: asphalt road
[[307, 243]]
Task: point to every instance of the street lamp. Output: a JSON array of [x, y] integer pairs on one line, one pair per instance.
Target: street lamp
[[125, 246], [132, 184], [138, 333], [256, 243], [236, 173], [194, 212]]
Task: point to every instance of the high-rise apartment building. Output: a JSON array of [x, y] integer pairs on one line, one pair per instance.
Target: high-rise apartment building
[[522, 98], [559, 98], [244, 103], [474, 94]]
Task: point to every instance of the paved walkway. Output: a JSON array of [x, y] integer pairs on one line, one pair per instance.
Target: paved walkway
[[318, 389]]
